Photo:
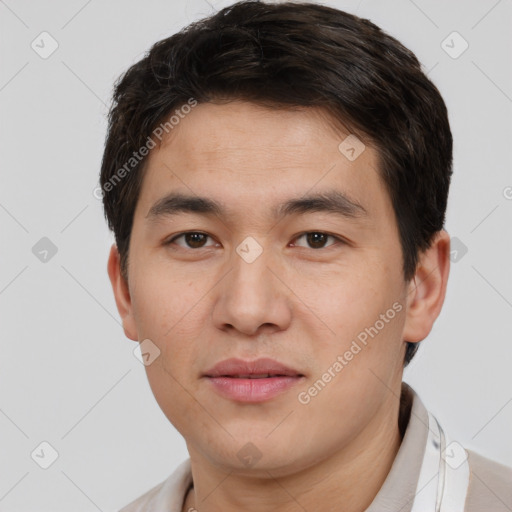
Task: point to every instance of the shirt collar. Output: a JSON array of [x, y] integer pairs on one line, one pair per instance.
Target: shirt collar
[[399, 489], [396, 494]]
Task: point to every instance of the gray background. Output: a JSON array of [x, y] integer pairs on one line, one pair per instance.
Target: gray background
[[68, 374]]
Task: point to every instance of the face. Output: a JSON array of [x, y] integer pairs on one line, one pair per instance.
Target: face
[[293, 255]]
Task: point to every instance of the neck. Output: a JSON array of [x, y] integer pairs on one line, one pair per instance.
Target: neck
[[348, 480]]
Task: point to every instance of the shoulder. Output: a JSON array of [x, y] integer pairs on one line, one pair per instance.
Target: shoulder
[[142, 503], [168, 495], [490, 485]]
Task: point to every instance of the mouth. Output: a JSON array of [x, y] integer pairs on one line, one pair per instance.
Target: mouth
[[254, 376], [258, 369], [252, 381]]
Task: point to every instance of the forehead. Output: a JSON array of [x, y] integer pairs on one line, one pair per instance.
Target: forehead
[[242, 153]]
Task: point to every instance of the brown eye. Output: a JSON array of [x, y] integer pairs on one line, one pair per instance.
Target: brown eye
[[316, 239], [192, 240]]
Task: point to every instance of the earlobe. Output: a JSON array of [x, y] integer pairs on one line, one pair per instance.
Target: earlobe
[[121, 294], [427, 289]]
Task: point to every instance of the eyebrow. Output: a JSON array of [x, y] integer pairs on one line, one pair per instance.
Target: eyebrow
[[332, 201]]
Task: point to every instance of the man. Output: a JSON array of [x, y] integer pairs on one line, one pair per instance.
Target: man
[[276, 177]]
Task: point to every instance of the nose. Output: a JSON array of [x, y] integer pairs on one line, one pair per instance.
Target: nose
[[252, 299]]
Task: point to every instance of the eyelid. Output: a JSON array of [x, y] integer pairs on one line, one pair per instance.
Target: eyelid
[[337, 238], [179, 235]]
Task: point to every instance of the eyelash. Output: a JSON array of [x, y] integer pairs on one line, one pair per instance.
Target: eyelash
[[337, 239]]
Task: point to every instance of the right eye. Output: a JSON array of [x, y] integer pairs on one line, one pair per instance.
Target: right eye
[[191, 240]]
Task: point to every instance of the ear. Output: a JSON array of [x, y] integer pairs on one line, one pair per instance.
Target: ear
[[121, 294], [427, 290]]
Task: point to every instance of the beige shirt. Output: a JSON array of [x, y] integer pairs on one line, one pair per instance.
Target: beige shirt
[[489, 490]]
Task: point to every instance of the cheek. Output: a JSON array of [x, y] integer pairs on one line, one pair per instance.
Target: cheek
[[347, 297], [163, 302], [165, 386], [172, 315], [356, 305]]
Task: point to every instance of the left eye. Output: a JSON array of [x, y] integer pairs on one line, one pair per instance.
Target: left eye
[[316, 239]]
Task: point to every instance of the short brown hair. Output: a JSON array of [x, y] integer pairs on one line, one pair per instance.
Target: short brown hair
[[283, 56]]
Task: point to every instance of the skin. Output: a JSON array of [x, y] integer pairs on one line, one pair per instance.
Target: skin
[[295, 303]]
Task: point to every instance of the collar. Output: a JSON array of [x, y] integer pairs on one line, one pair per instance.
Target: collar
[[399, 489], [396, 494]]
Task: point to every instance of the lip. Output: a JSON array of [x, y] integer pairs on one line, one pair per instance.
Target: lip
[[232, 379], [235, 367]]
